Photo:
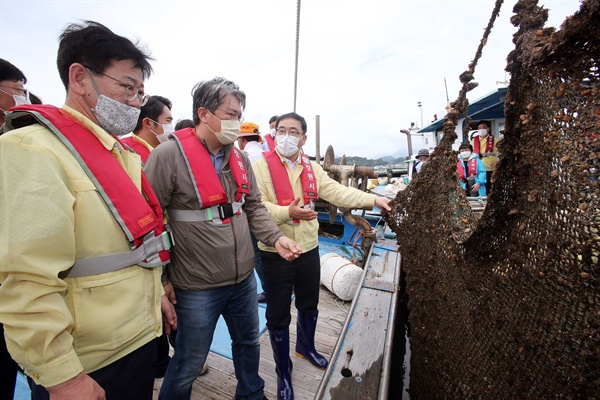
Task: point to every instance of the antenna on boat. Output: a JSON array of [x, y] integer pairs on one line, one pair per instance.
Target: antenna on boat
[[447, 98], [297, 47]]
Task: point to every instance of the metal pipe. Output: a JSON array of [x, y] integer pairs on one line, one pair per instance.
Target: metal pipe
[[318, 139], [409, 140], [368, 232]]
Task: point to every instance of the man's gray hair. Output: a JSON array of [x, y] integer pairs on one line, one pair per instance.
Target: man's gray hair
[[210, 95]]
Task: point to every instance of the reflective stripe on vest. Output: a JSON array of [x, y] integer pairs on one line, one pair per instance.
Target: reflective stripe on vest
[[140, 219], [282, 187], [208, 187]]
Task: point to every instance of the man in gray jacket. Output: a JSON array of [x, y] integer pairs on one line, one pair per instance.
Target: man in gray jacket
[[213, 204]]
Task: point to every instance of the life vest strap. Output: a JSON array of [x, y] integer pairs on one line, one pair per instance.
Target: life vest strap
[[148, 251], [214, 213]]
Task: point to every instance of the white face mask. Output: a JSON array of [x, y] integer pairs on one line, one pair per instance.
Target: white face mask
[[272, 132], [112, 115], [287, 145], [167, 129], [465, 154], [482, 132], [230, 130], [19, 99]]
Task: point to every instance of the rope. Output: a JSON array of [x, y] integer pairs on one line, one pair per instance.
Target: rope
[[297, 48], [343, 314], [336, 271]]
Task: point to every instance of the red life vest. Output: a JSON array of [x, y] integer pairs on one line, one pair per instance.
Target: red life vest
[[471, 168], [489, 144], [139, 218], [135, 146], [270, 141], [207, 185], [282, 185]]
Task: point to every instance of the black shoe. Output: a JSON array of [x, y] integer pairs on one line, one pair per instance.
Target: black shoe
[[262, 298]]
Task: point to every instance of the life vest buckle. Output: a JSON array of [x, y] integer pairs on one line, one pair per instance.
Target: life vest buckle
[[169, 236], [226, 211]]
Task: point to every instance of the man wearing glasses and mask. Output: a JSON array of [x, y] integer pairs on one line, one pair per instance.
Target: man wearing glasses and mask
[[83, 240], [213, 204], [289, 183]]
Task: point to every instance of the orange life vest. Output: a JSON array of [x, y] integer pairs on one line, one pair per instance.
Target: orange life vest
[[210, 192], [136, 147], [270, 141], [141, 220], [282, 186], [471, 168], [489, 144]]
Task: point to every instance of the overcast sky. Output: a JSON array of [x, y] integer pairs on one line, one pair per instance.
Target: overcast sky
[[364, 65]]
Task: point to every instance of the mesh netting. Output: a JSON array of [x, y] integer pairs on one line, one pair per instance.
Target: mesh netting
[[508, 306]]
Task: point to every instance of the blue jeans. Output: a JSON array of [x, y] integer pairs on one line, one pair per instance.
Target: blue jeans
[[197, 314]]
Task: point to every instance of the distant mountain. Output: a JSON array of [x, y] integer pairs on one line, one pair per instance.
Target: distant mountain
[[394, 156], [367, 162]]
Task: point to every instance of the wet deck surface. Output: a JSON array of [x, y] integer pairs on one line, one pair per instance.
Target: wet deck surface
[[219, 383]]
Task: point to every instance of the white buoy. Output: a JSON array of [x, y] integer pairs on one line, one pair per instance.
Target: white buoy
[[340, 276]]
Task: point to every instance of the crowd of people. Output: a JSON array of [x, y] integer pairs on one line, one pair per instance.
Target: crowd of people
[[476, 161], [120, 230]]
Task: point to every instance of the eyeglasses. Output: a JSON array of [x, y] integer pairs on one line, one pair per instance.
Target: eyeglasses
[[20, 91], [291, 132], [233, 116], [131, 93]]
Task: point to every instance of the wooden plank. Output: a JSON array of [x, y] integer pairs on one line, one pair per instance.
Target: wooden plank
[[220, 382], [356, 369]]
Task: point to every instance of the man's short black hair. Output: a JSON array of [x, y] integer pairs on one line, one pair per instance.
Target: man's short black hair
[[34, 99], [465, 146], [97, 47], [9, 72], [485, 122], [153, 110], [273, 119], [184, 123], [295, 116]]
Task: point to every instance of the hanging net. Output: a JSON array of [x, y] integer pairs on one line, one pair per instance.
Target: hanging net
[[508, 306]]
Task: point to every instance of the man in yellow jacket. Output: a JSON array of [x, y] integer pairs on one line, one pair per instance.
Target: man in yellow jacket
[[79, 315], [288, 181], [485, 144]]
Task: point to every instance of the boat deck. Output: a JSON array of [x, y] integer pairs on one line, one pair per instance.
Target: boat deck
[[372, 313], [219, 382]]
